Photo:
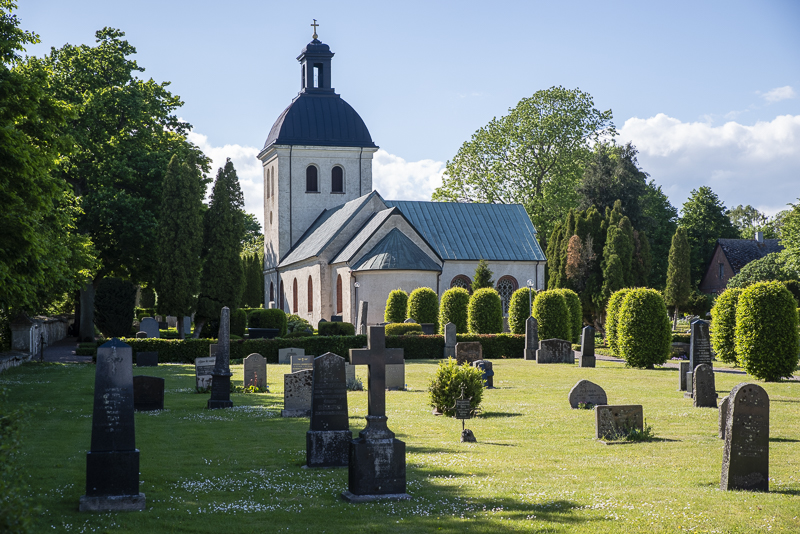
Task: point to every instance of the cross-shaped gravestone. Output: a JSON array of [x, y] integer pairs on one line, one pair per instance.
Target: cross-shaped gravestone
[[376, 357]]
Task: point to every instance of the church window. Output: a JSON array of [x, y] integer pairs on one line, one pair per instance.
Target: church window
[[310, 295], [311, 179], [272, 182], [271, 292], [461, 280], [506, 287], [281, 295], [266, 186], [338, 294], [294, 296], [270, 217], [337, 180]]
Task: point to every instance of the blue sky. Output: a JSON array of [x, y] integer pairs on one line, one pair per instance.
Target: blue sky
[[708, 91]]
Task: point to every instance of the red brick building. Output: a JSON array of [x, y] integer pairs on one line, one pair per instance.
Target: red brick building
[[730, 255]]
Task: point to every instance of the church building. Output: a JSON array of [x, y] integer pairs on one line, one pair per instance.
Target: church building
[[331, 240]]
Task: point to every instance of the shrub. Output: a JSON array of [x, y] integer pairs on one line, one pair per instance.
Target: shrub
[[148, 298], [445, 386], [643, 329], [519, 309], [575, 313], [423, 305], [723, 320], [144, 312], [483, 276], [794, 288], [614, 304], [296, 324], [238, 322], [766, 331], [485, 312], [336, 329], [699, 304], [114, 301], [396, 305], [769, 268], [552, 314], [681, 337], [272, 318], [453, 309], [399, 329]]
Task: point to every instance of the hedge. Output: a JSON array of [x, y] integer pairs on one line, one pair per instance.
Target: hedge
[[495, 347], [396, 305], [552, 314], [681, 337], [519, 309], [453, 309], [485, 312], [643, 329], [272, 318], [238, 322], [575, 313], [614, 304], [336, 329], [423, 305], [399, 329], [723, 317]]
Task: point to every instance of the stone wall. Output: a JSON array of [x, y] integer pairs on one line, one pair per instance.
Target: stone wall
[[31, 335]]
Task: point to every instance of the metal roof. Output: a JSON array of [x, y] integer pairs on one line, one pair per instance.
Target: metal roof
[[740, 252], [363, 235], [464, 231], [396, 252]]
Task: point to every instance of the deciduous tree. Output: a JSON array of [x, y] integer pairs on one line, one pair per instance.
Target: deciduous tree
[[704, 219]]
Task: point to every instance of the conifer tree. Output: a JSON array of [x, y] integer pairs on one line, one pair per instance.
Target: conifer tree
[[624, 248], [642, 259], [679, 283], [554, 258], [483, 276], [180, 240]]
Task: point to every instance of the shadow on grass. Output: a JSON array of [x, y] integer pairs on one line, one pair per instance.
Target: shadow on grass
[[784, 440], [786, 491], [500, 414]]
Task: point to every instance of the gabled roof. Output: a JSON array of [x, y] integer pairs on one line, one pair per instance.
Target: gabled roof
[[462, 231], [396, 252], [740, 252], [363, 235]]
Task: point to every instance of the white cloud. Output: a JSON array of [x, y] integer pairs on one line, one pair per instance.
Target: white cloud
[[757, 165], [398, 179], [779, 93]]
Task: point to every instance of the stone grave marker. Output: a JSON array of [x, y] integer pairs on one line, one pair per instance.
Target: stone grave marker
[[162, 325], [683, 369], [588, 393], [146, 359], [172, 321], [531, 337], [488, 372], [255, 371], [745, 459], [699, 345], [428, 329], [362, 318], [396, 377], [410, 320], [297, 394], [468, 352], [587, 358], [150, 326], [302, 363], [449, 340], [148, 393], [463, 409], [285, 355], [328, 438], [703, 387], [555, 351], [141, 334], [613, 422], [349, 373], [187, 325], [221, 377], [723, 416], [203, 367], [112, 464]]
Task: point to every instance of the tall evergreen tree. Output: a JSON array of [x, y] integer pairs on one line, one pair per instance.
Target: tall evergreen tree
[[180, 239], [642, 259], [624, 248], [679, 284], [483, 276]]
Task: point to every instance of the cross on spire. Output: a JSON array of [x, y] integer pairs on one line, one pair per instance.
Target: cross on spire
[[315, 28], [376, 357]]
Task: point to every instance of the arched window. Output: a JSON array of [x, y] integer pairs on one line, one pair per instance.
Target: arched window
[[310, 295], [272, 182], [311, 179], [461, 280], [337, 180], [294, 296], [271, 292], [266, 183], [281, 296], [506, 287], [338, 294]]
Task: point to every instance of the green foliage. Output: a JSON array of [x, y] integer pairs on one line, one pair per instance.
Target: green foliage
[[423, 305], [453, 309], [770, 267], [748, 220], [723, 319], [148, 298], [794, 288], [699, 304], [661, 221], [679, 280], [113, 306], [144, 312], [494, 346], [766, 331], [519, 309], [552, 314], [642, 260], [17, 511], [336, 329], [613, 277], [273, 318], [296, 324], [238, 322], [483, 276], [253, 268], [612, 316], [643, 330], [446, 386], [485, 312], [575, 314], [396, 305], [400, 329]]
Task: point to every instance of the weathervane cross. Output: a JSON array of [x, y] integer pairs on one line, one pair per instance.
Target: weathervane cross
[[315, 28]]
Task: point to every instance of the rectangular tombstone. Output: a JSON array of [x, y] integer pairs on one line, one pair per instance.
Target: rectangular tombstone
[[285, 355], [488, 373], [337, 318], [555, 351], [328, 438], [531, 338], [468, 352], [684, 368], [723, 417], [704, 390], [613, 422], [150, 326], [148, 393], [255, 371], [349, 373], [396, 376], [162, 325], [699, 345], [689, 389], [302, 363], [203, 368], [587, 358], [172, 321], [745, 458], [449, 340], [297, 394], [187, 325], [146, 359], [361, 325]]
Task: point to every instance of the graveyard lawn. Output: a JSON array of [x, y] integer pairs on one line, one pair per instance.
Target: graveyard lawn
[[536, 466]]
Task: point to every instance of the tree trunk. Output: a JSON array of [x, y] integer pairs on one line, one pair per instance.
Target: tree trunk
[[675, 319], [86, 332], [198, 327], [181, 334]]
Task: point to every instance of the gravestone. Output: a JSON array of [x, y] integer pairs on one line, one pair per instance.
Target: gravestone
[[613, 422], [587, 358], [297, 394], [723, 416], [699, 345], [689, 388], [468, 352], [531, 337], [464, 411], [362, 318], [162, 325], [187, 325], [112, 464], [410, 320], [349, 373], [449, 340], [745, 458], [555, 351], [203, 368], [328, 438], [683, 369], [172, 321], [141, 335], [703, 387], [588, 393], [221, 377], [150, 326], [255, 371], [285, 355], [488, 372], [396, 377], [146, 359], [148, 393], [337, 318], [377, 461], [428, 329], [304, 362]]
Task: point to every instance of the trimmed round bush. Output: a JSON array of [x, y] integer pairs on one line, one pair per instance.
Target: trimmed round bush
[[297, 325], [723, 324], [114, 301], [485, 312], [238, 322], [453, 309], [575, 314], [766, 331], [272, 318], [552, 314], [644, 331], [519, 309], [445, 386], [396, 305], [401, 329], [336, 329], [612, 309], [423, 305]]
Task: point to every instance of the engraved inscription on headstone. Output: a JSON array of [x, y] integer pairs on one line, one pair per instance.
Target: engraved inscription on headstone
[[203, 367], [328, 439], [285, 355], [531, 338], [255, 371], [555, 351], [463, 409], [302, 363], [703, 387], [745, 458], [614, 422], [587, 393], [148, 393], [700, 345], [468, 352], [297, 394]]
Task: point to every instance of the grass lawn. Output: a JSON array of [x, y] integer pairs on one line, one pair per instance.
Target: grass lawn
[[536, 466]]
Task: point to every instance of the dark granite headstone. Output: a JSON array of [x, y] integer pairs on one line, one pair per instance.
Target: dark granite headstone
[[148, 393], [449, 340], [328, 439], [682, 370], [531, 338], [468, 352], [587, 358], [689, 393], [221, 378], [614, 422], [336, 319], [488, 372], [163, 325], [141, 334], [745, 459], [361, 324], [723, 416], [700, 345], [587, 393], [703, 387], [555, 351], [112, 465], [146, 359], [428, 329]]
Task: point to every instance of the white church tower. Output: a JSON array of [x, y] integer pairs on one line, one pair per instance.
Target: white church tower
[[318, 155]]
